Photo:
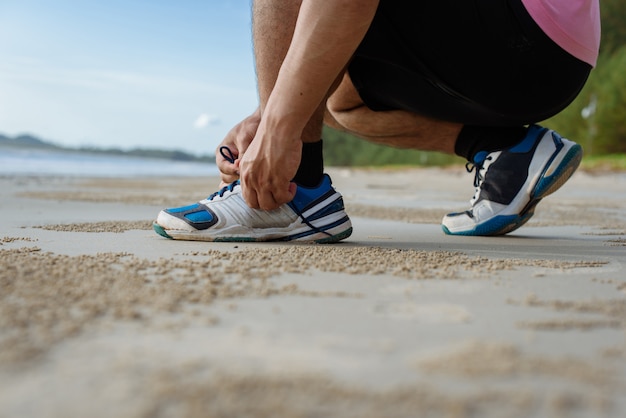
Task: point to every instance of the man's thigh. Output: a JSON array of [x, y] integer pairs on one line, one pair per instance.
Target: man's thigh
[[467, 61]]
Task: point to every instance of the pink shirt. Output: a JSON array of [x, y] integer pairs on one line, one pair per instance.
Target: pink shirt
[[574, 25]]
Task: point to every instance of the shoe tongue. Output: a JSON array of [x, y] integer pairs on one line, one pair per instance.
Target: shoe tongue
[[480, 156], [230, 188]]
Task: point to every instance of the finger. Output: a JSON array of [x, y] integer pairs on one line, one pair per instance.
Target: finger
[[285, 195], [267, 202], [274, 198], [227, 179], [228, 154], [227, 151], [229, 171], [250, 197], [228, 174], [293, 188], [226, 166]]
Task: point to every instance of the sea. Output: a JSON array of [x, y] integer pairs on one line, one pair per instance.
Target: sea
[[31, 162]]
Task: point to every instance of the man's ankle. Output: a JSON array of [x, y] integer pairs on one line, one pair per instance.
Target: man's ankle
[[473, 139], [311, 167]]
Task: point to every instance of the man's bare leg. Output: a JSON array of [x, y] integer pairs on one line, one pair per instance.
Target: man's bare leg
[[346, 111], [273, 28], [273, 24]]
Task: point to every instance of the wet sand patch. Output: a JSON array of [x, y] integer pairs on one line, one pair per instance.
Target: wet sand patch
[[106, 197], [479, 359], [8, 240], [410, 215], [104, 226], [311, 396], [612, 313], [47, 297], [410, 264]]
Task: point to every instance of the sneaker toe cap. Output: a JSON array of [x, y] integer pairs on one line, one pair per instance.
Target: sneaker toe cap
[[469, 221], [189, 218], [170, 222]]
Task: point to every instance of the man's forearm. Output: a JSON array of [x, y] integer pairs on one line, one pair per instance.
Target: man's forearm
[[326, 35]]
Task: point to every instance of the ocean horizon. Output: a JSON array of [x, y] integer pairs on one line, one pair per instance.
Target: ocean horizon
[[37, 162]]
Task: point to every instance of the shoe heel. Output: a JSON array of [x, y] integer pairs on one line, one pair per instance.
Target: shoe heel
[[335, 238], [565, 169]]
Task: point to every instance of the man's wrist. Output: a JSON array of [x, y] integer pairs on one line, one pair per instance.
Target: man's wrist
[[283, 124]]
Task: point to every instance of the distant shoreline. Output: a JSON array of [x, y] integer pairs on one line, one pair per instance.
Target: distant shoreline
[[592, 163], [31, 142], [55, 162]]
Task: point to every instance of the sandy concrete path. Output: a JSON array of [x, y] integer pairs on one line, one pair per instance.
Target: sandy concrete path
[[101, 317]]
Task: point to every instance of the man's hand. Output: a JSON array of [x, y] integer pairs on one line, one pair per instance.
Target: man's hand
[[268, 149], [237, 141], [264, 161], [267, 168]]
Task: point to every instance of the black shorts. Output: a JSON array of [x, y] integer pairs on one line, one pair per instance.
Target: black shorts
[[476, 62]]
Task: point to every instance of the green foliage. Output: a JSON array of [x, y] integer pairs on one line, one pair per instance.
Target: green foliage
[[611, 115], [613, 15], [344, 149], [606, 163], [601, 131]]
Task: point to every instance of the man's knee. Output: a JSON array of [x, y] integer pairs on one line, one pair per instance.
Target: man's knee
[[344, 97], [342, 117], [335, 120], [342, 105]]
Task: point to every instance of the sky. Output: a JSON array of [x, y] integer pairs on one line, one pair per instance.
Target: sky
[[126, 73]]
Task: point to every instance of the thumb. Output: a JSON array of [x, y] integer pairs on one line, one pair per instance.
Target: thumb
[[293, 188]]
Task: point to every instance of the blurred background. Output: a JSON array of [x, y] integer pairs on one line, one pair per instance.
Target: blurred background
[[161, 74], [169, 79]]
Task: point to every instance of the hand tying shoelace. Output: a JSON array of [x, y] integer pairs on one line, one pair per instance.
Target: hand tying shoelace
[[227, 154]]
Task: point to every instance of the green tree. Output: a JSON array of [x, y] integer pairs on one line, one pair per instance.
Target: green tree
[[613, 15], [344, 149], [610, 129], [595, 118]]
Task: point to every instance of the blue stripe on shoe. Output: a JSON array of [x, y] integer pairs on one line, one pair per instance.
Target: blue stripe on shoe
[[183, 208], [534, 133], [307, 197], [198, 216], [548, 184]]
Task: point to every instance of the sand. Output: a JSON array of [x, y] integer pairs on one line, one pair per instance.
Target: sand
[[100, 317]]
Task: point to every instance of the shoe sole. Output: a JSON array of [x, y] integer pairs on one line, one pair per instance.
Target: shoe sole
[[338, 233], [546, 185]]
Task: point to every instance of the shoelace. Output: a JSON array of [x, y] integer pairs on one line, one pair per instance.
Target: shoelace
[[223, 190], [478, 175], [227, 154], [230, 157]]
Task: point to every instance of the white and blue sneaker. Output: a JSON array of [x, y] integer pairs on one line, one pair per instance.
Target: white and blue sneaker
[[510, 183], [315, 214]]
